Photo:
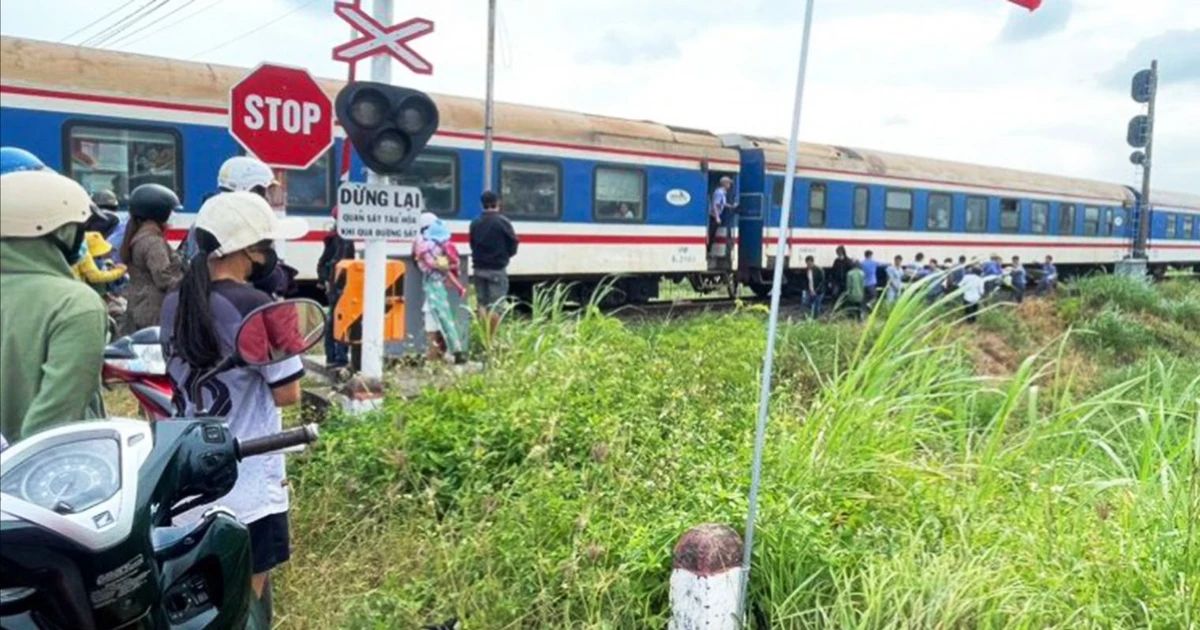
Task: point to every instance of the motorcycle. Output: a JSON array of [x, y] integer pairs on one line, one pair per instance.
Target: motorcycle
[[87, 510], [137, 361]]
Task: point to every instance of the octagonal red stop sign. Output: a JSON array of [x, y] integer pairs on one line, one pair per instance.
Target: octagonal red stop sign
[[281, 116]]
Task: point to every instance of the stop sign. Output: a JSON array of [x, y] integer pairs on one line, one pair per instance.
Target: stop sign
[[281, 116]]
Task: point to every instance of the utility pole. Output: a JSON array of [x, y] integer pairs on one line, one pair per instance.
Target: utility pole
[[489, 116], [1141, 134]]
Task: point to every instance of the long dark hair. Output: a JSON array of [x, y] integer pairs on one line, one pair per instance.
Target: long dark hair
[[195, 335], [131, 230]]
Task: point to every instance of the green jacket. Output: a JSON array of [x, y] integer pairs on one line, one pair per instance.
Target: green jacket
[[855, 289], [52, 334]]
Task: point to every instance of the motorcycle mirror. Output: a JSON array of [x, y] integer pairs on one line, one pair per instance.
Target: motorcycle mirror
[[279, 331]]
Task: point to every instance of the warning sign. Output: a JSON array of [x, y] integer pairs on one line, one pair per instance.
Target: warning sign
[[379, 212]]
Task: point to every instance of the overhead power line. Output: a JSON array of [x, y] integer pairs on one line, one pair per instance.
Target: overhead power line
[[115, 42], [127, 25], [96, 21], [271, 22], [175, 23], [108, 29]]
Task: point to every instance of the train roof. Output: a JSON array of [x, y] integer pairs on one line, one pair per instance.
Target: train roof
[[33, 63], [1174, 200], [871, 163]]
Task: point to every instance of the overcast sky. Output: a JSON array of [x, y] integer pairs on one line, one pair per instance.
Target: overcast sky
[[973, 80]]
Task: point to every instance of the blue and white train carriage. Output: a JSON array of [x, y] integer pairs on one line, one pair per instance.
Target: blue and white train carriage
[[590, 195]]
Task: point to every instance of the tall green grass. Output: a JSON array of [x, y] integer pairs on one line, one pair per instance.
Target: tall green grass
[[901, 490]]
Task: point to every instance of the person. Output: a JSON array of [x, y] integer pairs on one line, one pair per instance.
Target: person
[[814, 287], [841, 265], [1019, 280], [243, 173], [993, 271], [96, 267], [720, 203], [973, 288], [235, 235], [870, 268], [438, 260], [106, 201], [1049, 276], [52, 327], [856, 292], [336, 249], [895, 276], [154, 268], [913, 271], [493, 245]]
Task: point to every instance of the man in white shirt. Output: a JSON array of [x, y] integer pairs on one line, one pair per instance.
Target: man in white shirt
[[973, 288]]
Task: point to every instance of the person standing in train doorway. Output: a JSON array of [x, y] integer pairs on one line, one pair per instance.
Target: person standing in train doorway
[[493, 244], [720, 203]]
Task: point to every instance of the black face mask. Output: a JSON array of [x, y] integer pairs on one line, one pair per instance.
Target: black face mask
[[72, 251], [260, 271]]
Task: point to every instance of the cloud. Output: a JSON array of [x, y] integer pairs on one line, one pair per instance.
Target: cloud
[[1178, 54], [626, 49], [1051, 19]]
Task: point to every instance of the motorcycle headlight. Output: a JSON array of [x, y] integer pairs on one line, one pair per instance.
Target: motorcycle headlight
[[67, 478]]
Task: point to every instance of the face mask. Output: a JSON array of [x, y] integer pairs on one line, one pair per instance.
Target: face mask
[[260, 271], [74, 250]]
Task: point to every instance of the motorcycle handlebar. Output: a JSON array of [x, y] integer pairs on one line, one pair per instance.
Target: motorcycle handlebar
[[277, 441]]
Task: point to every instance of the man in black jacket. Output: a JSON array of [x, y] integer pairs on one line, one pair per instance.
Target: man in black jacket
[[493, 244], [336, 250]]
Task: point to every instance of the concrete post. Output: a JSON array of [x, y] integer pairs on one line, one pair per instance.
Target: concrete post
[[706, 579]]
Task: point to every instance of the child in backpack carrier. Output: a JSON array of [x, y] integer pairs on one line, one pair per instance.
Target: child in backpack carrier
[[97, 268]]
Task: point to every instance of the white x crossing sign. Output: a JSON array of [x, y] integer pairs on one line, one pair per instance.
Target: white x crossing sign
[[378, 38]]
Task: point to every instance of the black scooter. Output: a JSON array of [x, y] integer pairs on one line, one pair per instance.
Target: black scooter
[[86, 541]]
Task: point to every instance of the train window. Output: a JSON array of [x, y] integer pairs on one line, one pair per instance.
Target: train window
[[816, 205], [1010, 215], [862, 206], [1105, 221], [309, 188], [436, 174], [620, 194], [1040, 217], [1091, 221], [898, 212], [1066, 218], [120, 158], [777, 191], [530, 190], [939, 212], [1187, 226], [1172, 225], [977, 214]]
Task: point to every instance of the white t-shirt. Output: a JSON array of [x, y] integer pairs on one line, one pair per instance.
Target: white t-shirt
[[242, 396], [972, 287]]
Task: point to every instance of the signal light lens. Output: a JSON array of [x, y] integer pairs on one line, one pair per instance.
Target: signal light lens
[[369, 108], [389, 147], [413, 116]]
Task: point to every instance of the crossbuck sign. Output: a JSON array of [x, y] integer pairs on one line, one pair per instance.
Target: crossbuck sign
[[379, 38]]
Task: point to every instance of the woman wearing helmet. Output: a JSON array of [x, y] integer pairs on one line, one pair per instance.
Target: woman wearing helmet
[[154, 268], [13, 159], [52, 327], [235, 234]]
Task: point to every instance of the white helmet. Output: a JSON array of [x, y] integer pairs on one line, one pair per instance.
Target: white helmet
[[36, 203], [244, 173]]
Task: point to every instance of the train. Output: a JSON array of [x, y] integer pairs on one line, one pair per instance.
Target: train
[[594, 199]]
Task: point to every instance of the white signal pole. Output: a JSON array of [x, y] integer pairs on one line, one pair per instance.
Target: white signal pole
[[764, 396], [375, 250], [490, 103]]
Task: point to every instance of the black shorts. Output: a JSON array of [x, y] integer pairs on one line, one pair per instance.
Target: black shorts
[[269, 542]]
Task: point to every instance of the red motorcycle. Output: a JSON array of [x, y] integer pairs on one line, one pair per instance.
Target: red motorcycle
[[137, 361]]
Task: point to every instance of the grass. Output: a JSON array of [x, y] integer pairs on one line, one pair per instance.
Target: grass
[[903, 488]]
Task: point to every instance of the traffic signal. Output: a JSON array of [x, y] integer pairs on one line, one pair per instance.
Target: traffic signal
[[388, 125]]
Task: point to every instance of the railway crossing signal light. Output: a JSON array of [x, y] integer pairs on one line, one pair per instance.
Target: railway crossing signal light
[[388, 125]]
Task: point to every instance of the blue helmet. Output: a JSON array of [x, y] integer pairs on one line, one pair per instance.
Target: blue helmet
[[13, 159]]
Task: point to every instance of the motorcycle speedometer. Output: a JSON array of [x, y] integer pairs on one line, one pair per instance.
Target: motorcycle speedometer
[[68, 478]]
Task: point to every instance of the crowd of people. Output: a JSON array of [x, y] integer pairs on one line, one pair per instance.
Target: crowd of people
[[855, 285]]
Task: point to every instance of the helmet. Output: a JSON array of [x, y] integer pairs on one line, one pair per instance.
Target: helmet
[[13, 160], [105, 200], [243, 173], [153, 202], [37, 203]]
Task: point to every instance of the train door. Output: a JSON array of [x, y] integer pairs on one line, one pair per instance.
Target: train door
[[753, 204], [719, 242]]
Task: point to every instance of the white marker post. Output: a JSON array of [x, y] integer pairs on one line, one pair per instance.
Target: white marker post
[[375, 251]]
